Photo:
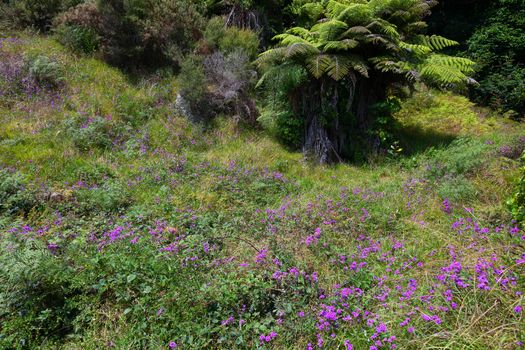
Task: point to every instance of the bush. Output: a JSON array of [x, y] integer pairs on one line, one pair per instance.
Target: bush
[[111, 196], [192, 88], [230, 39], [28, 75], [499, 47], [36, 294], [78, 39], [517, 202], [148, 32], [15, 196], [38, 14], [220, 84], [45, 71], [85, 15], [279, 114], [95, 133]]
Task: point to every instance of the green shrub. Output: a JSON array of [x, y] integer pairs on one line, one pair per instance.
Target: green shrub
[[282, 124], [499, 47], [133, 110], [95, 133], [78, 39], [38, 14], [45, 71], [148, 32], [457, 189], [517, 202], [111, 196], [460, 158], [36, 297], [230, 39], [15, 196], [192, 87], [278, 113]]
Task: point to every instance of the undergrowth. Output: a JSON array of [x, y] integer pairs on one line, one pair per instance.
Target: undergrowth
[[125, 226]]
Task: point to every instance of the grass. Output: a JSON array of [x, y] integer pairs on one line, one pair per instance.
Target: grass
[[172, 229]]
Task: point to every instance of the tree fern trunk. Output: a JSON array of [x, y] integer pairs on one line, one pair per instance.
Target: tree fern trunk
[[321, 137]]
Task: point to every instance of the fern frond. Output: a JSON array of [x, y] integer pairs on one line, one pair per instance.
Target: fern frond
[[313, 10], [330, 30], [419, 50], [318, 65], [350, 13], [385, 28], [437, 42], [446, 69], [342, 45], [289, 39], [298, 49], [271, 55], [301, 32], [339, 67], [357, 30]]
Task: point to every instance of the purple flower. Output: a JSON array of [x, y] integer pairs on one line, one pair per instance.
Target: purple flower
[[445, 206], [227, 321], [172, 345], [349, 345], [267, 338], [381, 328], [518, 309], [261, 256]]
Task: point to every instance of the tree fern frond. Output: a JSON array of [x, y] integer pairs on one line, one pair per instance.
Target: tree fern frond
[[384, 27], [416, 26], [350, 13], [463, 64], [341, 45], [356, 30], [330, 30], [301, 32], [271, 55], [339, 67], [359, 65], [437, 42], [419, 50], [313, 10], [297, 49], [289, 39], [318, 65], [390, 64]]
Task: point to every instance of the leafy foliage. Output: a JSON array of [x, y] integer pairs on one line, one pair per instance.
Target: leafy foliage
[[78, 39], [499, 48], [15, 196], [492, 33], [38, 14], [517, 202], [170, 235], [364, 50]]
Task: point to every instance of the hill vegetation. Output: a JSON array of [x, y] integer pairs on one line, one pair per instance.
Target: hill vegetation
[[153, 192]]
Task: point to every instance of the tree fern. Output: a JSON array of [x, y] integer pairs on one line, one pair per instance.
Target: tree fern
[[371, 45]]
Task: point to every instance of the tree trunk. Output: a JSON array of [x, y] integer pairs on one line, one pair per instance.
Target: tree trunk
[[321, 137]]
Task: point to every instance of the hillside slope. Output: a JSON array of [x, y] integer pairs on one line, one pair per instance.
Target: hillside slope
[[125, 226]]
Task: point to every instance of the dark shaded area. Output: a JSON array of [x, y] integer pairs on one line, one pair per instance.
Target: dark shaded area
[[458, 19], [417, 140], [492, 33]]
